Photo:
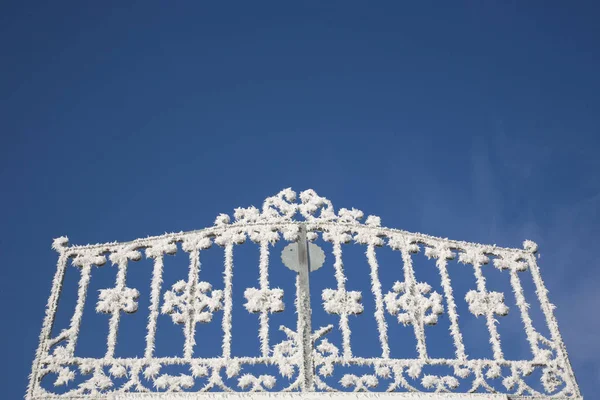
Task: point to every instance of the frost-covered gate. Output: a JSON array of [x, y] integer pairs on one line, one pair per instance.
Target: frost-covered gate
[[306, 359]]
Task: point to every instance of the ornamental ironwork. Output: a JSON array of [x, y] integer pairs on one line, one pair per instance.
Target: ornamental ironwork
[[306, 362]]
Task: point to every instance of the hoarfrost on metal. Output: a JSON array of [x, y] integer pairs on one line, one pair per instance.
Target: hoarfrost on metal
[[304, 363]]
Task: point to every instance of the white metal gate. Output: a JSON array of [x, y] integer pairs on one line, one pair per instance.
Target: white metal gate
[[306, 358]]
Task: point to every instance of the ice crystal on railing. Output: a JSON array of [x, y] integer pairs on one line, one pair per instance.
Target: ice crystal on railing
[[361, 383], [116, 299], [486, 303], [174, 383], [282, 209], [342, 301], [55, 364], [98, 383], [186, 299], [118, 371], [307, 361], [285, 353], [266, 300], [551, 380], [198, 370], [409, 308], [65, 375], [325, 354], [152, 370], [440, 383], [256, 383]]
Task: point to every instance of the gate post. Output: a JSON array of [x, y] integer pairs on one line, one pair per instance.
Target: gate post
[[304, 328]]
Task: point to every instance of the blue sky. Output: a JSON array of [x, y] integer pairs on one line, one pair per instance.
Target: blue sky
[[476, 121]]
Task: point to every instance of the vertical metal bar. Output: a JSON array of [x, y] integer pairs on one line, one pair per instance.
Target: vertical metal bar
[[228, 301], [489, 315], [304, 312], [379, 307], [442, 265], [264, 286], [412, 291], [192, 284], [84, 282], [547, 309], [341, 289], [154, 303], [530, 331], [51, 309], [115, 318]]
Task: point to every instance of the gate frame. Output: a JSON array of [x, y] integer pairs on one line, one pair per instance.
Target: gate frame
[[265, 227]]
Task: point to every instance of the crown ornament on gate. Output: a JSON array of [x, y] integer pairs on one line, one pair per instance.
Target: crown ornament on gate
[[306, 360]]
